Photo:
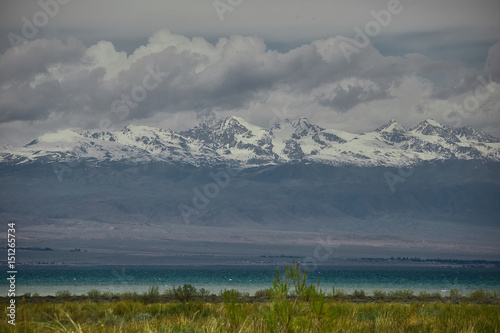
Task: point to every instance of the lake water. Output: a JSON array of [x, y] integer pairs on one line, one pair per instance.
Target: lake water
[[79, 280]]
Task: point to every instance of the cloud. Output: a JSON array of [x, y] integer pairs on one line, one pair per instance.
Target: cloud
[[73, 85], [493, 62], [36, 57], [346, 99]]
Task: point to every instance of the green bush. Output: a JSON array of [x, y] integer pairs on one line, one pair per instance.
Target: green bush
[[424, 295], [94, 293], [152, 295], [63, 294], [289, 290], [184, 293], [340, 293], [124, 308], [264, 293], [310, 293], [234, 311], [202, 292], [108, 294], [358, 293], [379, 294], [401, 293], [454, 293], [130, 295], [481, 295], [238, 294]]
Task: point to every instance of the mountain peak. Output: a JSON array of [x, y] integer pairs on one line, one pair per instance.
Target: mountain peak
[[302, 121], [391, 126], [65, 135], [431, 122], [233, 122], [304, 127], [431, 127], [236, 119]]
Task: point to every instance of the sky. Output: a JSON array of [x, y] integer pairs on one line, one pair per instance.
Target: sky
[[348, 65]]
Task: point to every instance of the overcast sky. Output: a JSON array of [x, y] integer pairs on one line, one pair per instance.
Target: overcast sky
[[349, 65]]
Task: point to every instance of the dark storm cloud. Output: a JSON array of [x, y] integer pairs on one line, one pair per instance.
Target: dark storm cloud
[[346, 99], [43, 77], [493, 62], [23, 62]]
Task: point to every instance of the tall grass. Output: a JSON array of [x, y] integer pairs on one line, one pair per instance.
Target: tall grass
[[234, 316]]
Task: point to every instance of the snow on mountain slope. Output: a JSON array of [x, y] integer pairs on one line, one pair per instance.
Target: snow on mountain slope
[[236, 142]]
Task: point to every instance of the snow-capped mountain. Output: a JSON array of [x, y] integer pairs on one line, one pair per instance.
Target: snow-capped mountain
[[236, 142]]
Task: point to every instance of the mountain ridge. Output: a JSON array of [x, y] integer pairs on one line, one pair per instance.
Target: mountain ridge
[[234, 141]]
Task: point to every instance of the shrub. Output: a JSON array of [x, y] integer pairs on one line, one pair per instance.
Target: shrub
[[107, 294], [130, 295], [124, 308], [379, 294], [401, 293], [234, 311], [481, 294], [283, 311], [264, 293], [424, 295], [202, 292], [358, 293], [310, 293], [340, 293], [63, 294], [184, 293], [152, 295], [94, 293], [454, 293], [237, 294]]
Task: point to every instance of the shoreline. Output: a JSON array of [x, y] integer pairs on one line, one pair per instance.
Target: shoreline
[[407, 296], [274, 261]]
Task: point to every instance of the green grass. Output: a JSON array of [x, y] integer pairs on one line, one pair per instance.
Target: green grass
[[289, 305], [234, 316]]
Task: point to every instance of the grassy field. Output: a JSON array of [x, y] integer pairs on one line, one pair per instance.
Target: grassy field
[[290, 305], [198, 316]]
